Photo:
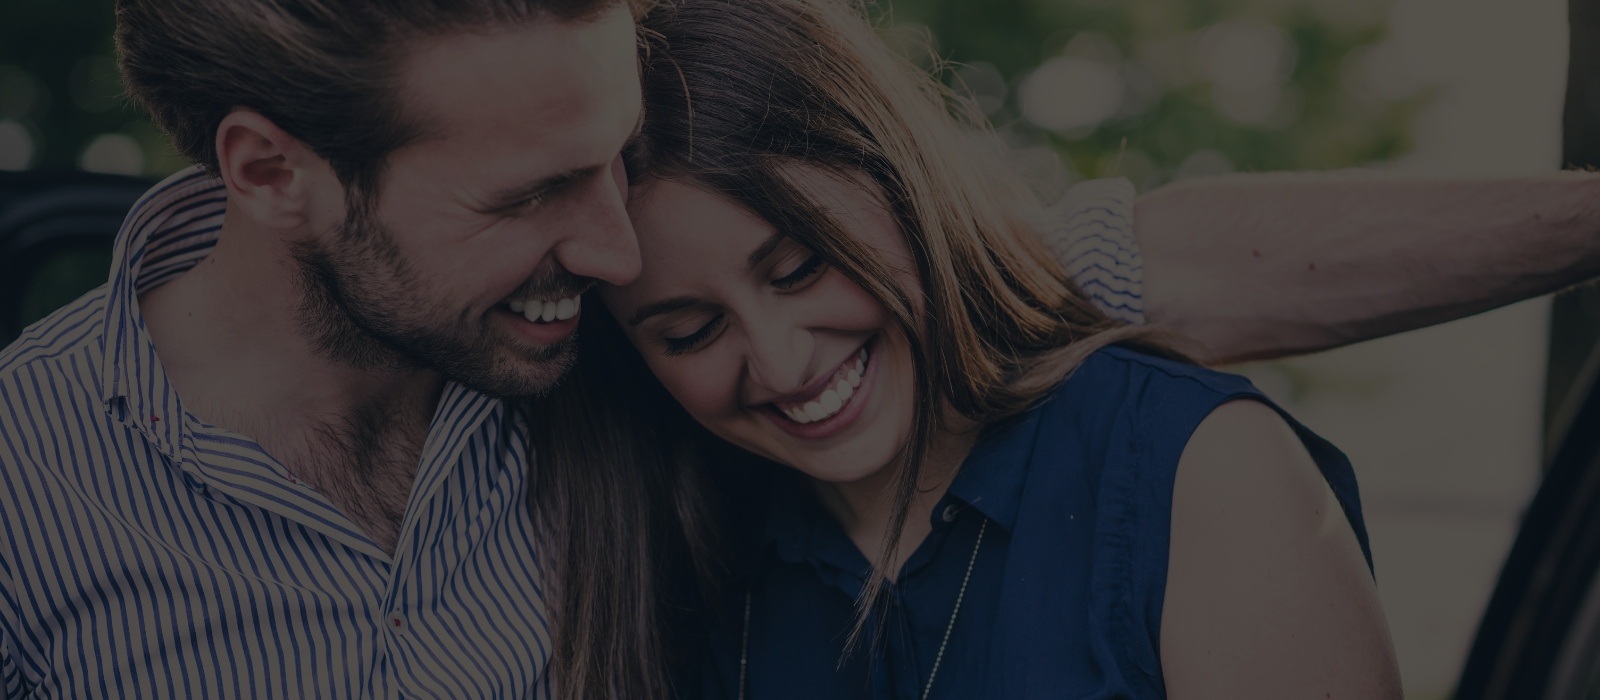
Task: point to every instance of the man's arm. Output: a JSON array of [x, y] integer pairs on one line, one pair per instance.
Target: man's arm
[[1260, 266]]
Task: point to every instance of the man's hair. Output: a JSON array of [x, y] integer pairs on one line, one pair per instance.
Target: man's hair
[[325, 71]]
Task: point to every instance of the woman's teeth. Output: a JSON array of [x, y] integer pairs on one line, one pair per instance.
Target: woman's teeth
[[538, 311], [833, 398]]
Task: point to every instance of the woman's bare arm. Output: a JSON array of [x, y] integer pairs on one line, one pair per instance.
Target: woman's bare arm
[[1266, 265], [1268, 595]]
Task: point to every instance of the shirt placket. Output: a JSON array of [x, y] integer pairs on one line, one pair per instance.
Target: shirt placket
[[902, 647], [461, 415], [221, 464], [235, 468]]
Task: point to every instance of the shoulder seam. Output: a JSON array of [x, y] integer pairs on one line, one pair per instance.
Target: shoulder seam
[[46, 342], [1127, 356]]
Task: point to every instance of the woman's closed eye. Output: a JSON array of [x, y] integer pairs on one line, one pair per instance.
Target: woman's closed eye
[[792, 273], [688, 342], [807, 268]]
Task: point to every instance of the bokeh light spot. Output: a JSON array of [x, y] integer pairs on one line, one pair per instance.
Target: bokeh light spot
[[113, 153], [16, 146], [1071, 93]]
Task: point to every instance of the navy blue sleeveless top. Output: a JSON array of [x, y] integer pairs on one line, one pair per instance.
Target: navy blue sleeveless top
[[1074, 501]]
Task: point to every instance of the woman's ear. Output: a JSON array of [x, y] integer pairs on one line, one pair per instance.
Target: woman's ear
[[270, 174]]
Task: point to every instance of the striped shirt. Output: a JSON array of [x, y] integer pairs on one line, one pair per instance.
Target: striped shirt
[[150, 555], [1091, 232]]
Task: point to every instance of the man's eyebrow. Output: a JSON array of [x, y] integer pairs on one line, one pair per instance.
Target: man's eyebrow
[[544, 187], [663, 307]]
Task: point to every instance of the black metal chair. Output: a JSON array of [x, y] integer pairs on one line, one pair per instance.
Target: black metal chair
[[46, 217]]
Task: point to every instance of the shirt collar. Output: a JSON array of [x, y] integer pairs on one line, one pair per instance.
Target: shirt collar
[[170, 229], [992, 478]]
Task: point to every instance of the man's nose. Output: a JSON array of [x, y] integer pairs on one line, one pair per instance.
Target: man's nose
[[600, 242]]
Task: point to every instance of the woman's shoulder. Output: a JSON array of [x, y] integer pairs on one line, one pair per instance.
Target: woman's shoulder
[[1105, 473], [1117, 405], [1124, 421], [1122, 392], [1140, 373], [1149, 410]]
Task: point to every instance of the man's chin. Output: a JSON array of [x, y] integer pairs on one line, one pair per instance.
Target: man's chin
[[493, 364], [523, 372]]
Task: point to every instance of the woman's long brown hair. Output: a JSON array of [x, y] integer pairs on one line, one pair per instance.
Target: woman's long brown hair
[[741, 96]]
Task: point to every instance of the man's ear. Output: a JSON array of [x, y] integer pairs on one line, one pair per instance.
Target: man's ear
[[271, 176]]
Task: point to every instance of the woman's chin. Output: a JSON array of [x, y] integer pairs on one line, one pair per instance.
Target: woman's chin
[[836, 476], [842, 470], [862, 455]]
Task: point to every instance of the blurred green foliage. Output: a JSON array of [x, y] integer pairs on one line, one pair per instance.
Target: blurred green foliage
[[1250, 85], [63, 278], [1152, 89], [58, 83]]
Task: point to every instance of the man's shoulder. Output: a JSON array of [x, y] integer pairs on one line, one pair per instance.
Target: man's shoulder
[[73, 328], [51, 370]]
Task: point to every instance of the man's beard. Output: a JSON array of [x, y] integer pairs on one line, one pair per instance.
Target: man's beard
[[362, 305]]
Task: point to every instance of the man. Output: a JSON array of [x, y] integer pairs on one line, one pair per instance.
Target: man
[[268, 459], [273, 456]]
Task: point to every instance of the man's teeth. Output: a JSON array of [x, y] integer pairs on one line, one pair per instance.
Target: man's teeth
[[539, 311], [832, 399]]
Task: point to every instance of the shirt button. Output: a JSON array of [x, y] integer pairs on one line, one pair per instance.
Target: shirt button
[[397, 622], [949, 514]]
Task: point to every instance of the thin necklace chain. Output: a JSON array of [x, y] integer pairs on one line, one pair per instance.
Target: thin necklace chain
[[744, 642]]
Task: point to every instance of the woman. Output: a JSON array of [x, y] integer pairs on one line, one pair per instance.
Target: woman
[[940, 471]]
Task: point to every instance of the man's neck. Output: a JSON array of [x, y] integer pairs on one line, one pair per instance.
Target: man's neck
[[229, 339]]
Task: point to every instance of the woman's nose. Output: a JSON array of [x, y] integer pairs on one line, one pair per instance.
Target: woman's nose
[[779, 358]]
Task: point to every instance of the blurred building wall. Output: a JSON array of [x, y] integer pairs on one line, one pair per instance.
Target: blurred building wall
[[1445, 425]]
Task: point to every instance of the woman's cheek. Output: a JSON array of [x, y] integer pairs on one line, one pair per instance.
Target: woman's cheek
[[705, 387], [853, 307]]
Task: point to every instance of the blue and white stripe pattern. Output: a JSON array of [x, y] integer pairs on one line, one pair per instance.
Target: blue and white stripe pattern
[[1091, 231], [148, 555]]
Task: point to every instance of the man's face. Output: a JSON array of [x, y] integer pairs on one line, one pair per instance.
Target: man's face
[[513, 198]]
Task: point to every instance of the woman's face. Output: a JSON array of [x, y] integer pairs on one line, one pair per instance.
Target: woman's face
[[763, 343]]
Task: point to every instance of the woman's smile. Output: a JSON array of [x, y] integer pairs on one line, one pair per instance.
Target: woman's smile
[[830, 405]]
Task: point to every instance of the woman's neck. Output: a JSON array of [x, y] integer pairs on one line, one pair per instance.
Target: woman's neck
[[864, 508]]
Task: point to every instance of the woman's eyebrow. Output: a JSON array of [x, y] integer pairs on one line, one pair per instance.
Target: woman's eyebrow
[[663, 307], [762, 251], [678, 303]]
